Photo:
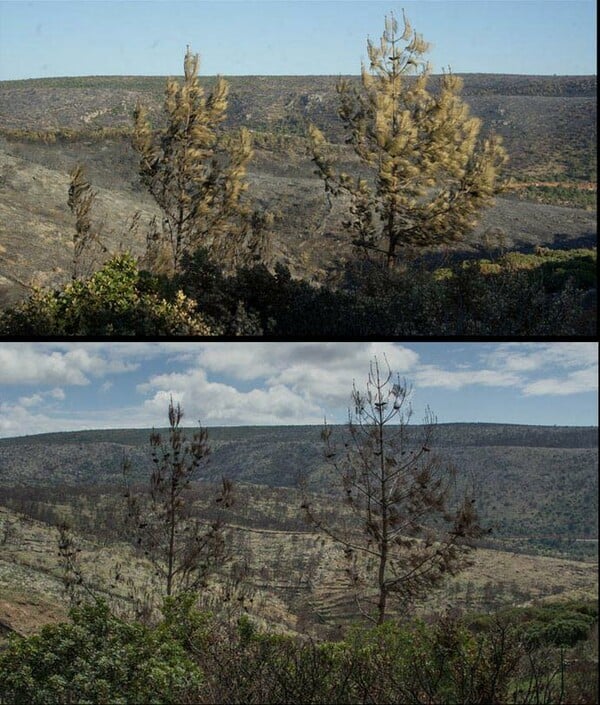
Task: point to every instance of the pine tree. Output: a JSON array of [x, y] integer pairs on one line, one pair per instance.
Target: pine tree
[[429, 172], [196, 173], [411, 529], [182, 549], [86, 241]]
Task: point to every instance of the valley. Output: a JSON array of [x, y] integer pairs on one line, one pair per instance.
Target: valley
[[536, 487], [50, 125]]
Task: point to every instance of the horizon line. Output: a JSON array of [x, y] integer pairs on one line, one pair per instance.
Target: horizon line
[[292, 75], [283, 425]]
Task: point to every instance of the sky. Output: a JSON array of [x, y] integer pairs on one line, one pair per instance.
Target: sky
[[286, 37], [47, 387]]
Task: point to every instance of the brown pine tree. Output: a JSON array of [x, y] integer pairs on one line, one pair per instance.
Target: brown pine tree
[[86, 241], [429, 173], [410, 527], [196, 173]]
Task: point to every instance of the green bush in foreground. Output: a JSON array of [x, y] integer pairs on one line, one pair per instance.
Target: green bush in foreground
[[115, 301], [195, 657], [97, 659], [548, 293]]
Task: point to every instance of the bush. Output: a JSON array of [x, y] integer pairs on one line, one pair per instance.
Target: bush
[[537, 295], [115, 301], [97, 659], [195, 657]]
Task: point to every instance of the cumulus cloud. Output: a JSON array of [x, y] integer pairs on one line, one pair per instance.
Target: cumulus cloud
[[529, 357], [33, 400], [215, 403], [321, 373], [69, 364], [585, 380], [25, 363], [261, 383], [567, 368]]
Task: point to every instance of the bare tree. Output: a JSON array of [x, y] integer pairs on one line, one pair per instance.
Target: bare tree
[[429, 174], [409, 528], [182, 549]]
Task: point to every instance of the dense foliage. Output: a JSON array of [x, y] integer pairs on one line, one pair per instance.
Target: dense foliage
[[430, 173], [114, 301], [540, 294], [98, 658], [543, 294], [195, 657]]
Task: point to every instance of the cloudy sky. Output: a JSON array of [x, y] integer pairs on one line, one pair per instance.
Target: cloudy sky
[[306, 37], [70, 386]]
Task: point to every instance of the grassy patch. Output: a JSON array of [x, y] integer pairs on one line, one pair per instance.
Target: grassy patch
[[555, 267], [563, 195]]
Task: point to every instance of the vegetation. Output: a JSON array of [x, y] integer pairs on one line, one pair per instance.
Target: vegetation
[[422, 170], [115, 301], [195, 172], [98, 658], [518, 295], [517, 471], [430, 175], [566, 194], [191, 657], [463, 299], [191, 652], [409, 537], [182, 550]]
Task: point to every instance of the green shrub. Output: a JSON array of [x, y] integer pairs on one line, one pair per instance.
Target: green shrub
[[97, 659], [115, 301]]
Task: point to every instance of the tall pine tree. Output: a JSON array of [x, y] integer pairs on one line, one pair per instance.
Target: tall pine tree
[[429, 171]]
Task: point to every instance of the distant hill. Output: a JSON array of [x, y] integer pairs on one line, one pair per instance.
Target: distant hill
[[530, 480], [47, 126], [547, 122]]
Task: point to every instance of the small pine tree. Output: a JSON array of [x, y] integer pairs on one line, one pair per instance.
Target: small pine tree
[[182, 549], [429, 172], [196, 173], [81, 200]]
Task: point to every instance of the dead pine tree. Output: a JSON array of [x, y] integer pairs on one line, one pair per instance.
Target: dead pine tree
[[424, 171], [161, 522], [408, 528], [196, 172]]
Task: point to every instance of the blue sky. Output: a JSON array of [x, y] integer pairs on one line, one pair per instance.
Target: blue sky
[[142, 37], [70, 386]]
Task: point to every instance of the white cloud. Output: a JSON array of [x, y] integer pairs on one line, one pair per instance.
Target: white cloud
[[33, 400], [215, 403], [318, 372], [67, 364], [585, 380], [567, 368], [528, 357], [434, 376], [264, 383], [30, 364]]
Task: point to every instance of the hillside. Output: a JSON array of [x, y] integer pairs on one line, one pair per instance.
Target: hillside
[[533, 482], [536, 488], [293, 576], [48, 125]]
